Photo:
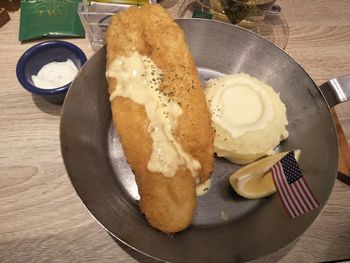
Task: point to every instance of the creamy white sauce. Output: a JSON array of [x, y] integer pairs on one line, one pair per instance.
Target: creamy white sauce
[[55, 74], [139, 79], [203, 188], [223, 216], [240, 105]]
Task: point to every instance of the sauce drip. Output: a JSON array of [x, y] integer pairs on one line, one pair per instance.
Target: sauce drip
[[140, 79]]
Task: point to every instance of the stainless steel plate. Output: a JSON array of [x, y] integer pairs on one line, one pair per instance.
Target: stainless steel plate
[[226, 227]]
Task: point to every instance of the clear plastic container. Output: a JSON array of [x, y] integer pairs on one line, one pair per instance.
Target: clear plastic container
[[96, 16]]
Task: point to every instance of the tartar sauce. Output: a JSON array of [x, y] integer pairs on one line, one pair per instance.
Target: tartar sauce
[[55, 74], [139, 79]]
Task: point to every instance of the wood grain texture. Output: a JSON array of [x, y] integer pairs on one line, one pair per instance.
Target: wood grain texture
[[43, 220]]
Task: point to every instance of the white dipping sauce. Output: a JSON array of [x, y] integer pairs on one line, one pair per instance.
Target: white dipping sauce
[[55, 74]]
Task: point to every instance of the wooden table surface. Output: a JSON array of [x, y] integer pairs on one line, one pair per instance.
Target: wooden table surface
[[41, 216]]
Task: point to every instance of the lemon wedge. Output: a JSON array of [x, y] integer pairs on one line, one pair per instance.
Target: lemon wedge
[[255, 180]]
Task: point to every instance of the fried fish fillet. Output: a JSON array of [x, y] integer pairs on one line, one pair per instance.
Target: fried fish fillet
[[168, 203]]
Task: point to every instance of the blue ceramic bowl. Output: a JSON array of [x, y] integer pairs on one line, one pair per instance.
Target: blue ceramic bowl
[[41, 54]]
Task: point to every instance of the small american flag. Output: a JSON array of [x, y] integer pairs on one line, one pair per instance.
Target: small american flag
[[291, 186]]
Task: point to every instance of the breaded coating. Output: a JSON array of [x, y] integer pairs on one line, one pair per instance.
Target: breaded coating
[[167, 202]]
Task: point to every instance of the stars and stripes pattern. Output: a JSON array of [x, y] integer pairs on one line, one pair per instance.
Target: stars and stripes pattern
[[291, 186]]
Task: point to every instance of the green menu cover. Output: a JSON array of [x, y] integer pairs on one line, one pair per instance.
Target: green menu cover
[[49, 18]]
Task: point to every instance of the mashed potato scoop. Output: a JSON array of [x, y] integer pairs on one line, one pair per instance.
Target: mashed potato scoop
[[248, 117]]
